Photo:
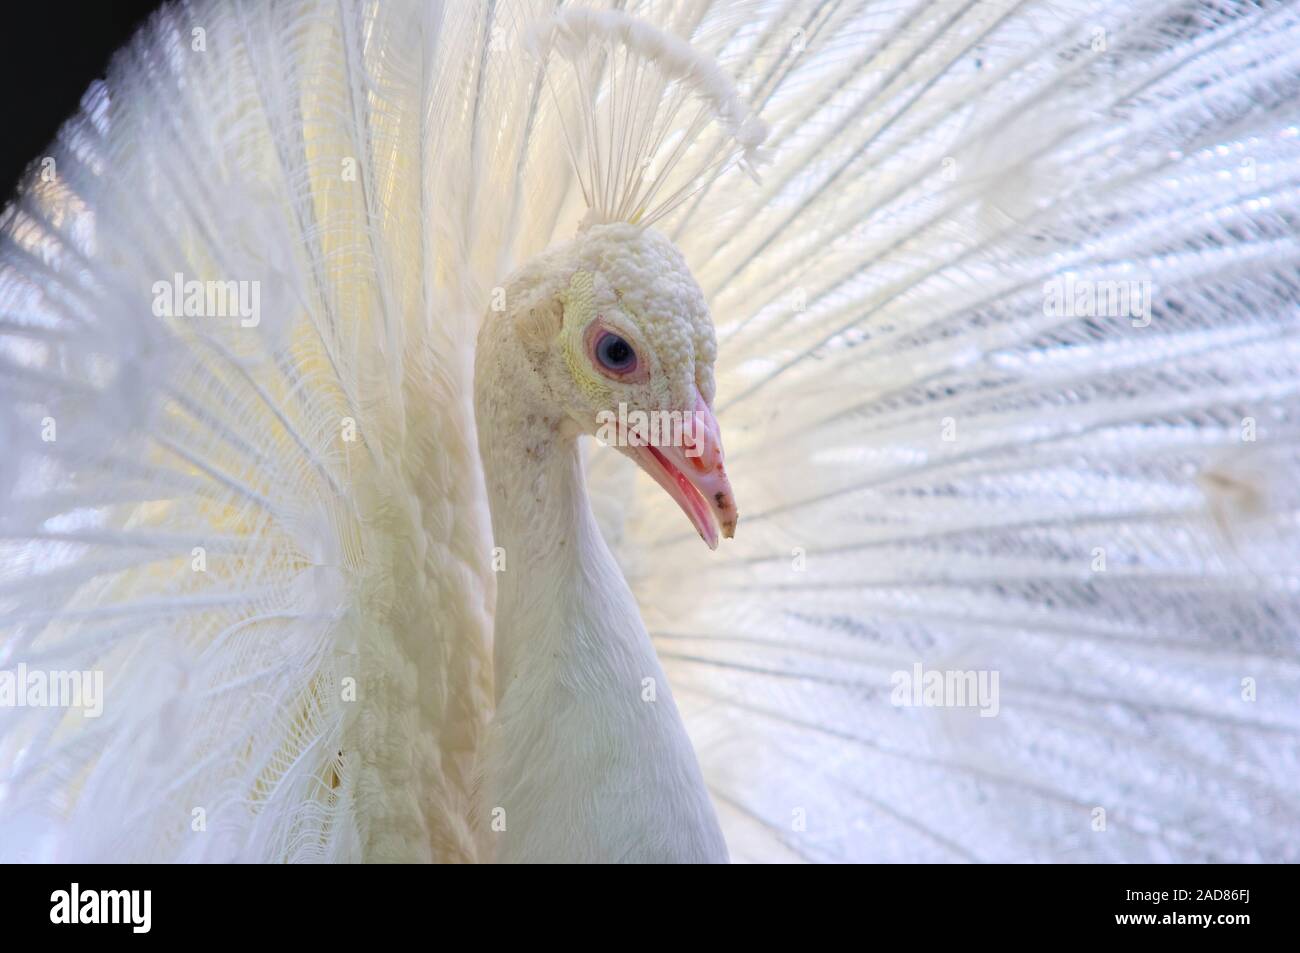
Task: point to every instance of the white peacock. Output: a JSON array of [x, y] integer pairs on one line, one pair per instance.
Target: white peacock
[[305, 322]]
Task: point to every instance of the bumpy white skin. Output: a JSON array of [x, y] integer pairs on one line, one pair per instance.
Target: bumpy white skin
[[578, 766]]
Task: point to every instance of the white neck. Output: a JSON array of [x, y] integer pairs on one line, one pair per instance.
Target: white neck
[[587, 758]]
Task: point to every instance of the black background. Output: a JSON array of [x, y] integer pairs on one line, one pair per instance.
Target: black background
[[49, 53]]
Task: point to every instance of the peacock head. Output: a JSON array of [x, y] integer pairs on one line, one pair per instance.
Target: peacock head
[[620, 345], [613, 325]]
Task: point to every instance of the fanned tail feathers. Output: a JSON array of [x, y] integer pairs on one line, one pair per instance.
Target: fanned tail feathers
[[1008, 368]]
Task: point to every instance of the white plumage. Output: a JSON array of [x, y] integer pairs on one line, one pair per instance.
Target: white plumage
[[273, 534]]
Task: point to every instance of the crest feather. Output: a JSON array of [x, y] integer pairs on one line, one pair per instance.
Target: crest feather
[[666, 122]]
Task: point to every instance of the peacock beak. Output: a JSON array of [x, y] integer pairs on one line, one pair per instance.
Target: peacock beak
[[687, 462]]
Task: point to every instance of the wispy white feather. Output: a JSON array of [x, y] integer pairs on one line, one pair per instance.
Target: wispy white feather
[[645, 102]]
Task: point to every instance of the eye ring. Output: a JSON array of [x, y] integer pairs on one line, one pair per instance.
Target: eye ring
[[613, 354]]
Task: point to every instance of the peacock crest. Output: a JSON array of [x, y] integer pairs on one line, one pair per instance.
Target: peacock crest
[[650, 121]]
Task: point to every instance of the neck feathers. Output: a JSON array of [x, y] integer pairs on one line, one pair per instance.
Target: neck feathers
[[587, 758]]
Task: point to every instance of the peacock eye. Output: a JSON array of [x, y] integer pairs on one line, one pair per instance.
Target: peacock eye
[[614, 353]]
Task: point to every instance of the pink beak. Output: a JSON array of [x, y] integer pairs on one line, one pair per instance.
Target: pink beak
[[691, 470]]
